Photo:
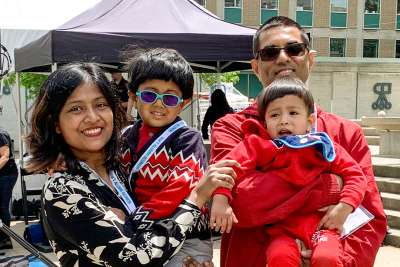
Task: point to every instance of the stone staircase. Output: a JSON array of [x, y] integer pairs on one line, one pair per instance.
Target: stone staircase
[[371, 134], [388, 180], [387, 176]]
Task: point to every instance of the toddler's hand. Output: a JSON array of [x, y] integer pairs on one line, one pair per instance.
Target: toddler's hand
[[222, 216], [335, 217]]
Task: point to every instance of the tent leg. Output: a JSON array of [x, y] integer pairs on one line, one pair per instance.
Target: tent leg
[[21, 149]]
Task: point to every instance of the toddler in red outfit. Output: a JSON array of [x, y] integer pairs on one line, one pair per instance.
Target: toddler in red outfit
[[287, 145]]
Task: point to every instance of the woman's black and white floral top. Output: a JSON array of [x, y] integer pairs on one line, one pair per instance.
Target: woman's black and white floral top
[[84, 232]]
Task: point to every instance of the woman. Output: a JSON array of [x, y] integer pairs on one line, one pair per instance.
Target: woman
[[219, 108], [8, 178], [76, 118]]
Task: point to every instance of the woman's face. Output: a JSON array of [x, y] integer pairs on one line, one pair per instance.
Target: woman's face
[[86, 121]]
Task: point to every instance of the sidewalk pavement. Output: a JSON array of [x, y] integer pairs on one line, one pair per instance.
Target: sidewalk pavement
[[387, 256]]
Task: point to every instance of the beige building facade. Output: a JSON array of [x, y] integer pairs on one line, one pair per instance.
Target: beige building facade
[[358, 44]]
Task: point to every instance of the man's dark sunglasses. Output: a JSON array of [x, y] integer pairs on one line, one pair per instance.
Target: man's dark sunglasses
[[272, 52]]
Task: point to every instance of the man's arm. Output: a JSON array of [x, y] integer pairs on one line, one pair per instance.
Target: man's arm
[[263, 197]]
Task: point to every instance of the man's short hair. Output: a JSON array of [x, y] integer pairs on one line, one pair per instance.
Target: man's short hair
[[160, 64], [277, 21]]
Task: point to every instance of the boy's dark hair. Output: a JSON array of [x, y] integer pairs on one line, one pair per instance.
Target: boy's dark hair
[[161, 64], [45, 145], [277, 21], [282, 87]]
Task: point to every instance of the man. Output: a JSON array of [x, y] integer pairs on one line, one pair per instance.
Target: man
[[121, 89], [281, 48]]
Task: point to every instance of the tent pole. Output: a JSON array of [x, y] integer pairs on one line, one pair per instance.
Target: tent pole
[[19, 114], [198, 102], [21, 148]]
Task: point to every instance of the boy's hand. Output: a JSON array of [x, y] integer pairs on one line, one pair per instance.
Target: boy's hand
[[222, 216], [335, 217]]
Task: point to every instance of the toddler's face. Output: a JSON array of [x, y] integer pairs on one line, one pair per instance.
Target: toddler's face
[[159, 113], [287, 115]]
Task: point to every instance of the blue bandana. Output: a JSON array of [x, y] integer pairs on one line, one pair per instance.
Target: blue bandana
[[320, 140]]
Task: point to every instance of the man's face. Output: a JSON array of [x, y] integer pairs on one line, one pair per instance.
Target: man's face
[[283, 65]]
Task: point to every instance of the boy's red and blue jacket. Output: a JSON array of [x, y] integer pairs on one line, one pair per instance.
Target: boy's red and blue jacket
[[169, 175]]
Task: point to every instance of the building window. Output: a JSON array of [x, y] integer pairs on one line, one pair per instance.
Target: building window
[[398, 15], [304, 12], [233, 3], [397, 48], [269, 9], [338, 47], [371, 14], [304, 5], [339, 6], [269, 4], [370, 48], [339, 13], [372, 6], [201, 2], [233, 11]]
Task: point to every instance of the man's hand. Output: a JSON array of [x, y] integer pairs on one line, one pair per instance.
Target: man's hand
[[335, 217], [222, 216]]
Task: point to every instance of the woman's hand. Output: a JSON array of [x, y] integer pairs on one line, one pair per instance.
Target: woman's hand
[[220, 174]]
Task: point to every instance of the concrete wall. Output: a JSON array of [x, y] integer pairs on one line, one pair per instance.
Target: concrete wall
[[321, 14], [321, 44], [388, 17], [352, 14], [211, 5], [351, 47], [347, 89], [387, 48], [284, 8], [252, 10]]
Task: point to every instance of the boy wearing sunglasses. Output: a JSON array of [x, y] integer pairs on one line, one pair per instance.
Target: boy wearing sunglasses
[[163, 158], [286, 144]]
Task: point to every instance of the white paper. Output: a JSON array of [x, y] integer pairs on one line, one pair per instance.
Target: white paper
[[356, 220]]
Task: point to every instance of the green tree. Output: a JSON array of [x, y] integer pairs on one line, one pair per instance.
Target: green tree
[[30, 81], [212, 78]]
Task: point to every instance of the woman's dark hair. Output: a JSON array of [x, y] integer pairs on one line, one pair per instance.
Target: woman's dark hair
[[161, 64], [282, 87], [218, 100], [45, 145]]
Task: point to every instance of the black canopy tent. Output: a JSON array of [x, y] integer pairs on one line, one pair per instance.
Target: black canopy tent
[[101, 33]]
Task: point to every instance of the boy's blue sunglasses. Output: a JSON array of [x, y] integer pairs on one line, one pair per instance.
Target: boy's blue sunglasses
[[150, 97]]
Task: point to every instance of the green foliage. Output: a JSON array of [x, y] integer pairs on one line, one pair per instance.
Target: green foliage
[[212, 78], [30, 81]]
